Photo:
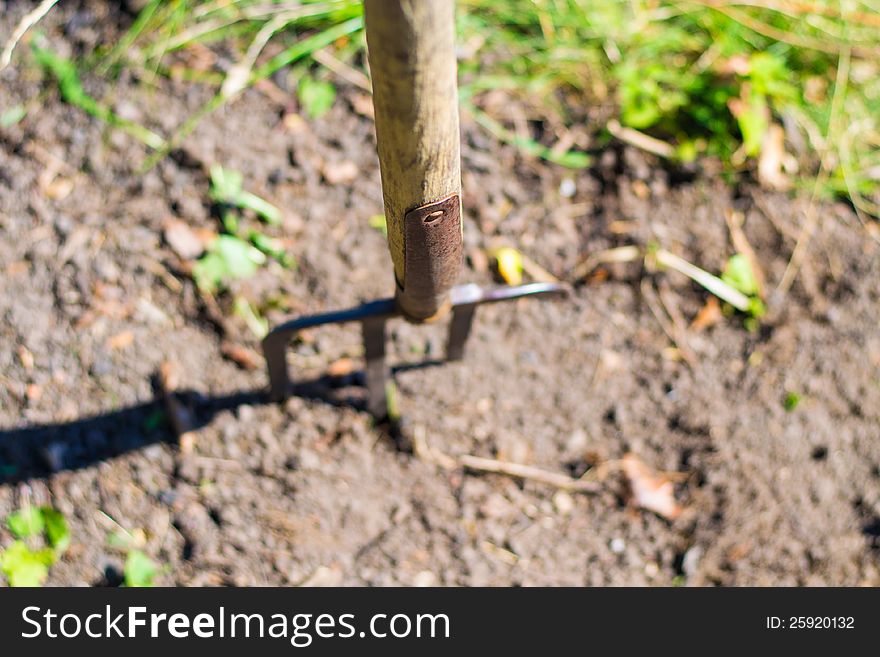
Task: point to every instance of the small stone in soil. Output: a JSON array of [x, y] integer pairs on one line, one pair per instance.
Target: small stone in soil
[[563, 502]]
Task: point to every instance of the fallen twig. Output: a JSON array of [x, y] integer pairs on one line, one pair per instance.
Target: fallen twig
[[531, 473], [536, 271], [679, 325], [424, 451], [239, 74], [182, 418], [812, 214], [712, 283], [654, 304], [27, 22], [605, 257], [343, 70], [640, 140], [742, 245]]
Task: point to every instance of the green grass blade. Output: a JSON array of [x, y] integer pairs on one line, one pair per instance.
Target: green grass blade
[[307, 46], [72, 91], [568, 159]]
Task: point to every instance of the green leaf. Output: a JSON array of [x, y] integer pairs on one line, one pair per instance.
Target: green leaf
[[263, 209], [753, 123], [228, 258], [230, 221], [140, 570], [226, 187], [392, 403], [26, 522], [770, 75], [687, 151], [72, 91], [24, 567], [258, 324], [12, 115], [120, 540], [377, 222], [240, 258], [273, 248], [225, 184], [738, 274], [316, 97], [209, 272], [756, 307], [57, 531], [792, 399]]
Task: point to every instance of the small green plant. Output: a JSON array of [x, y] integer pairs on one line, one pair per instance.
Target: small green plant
[[140, 571], [25, 564], [316, 97], [738, 274], [241, 250], [227, 258], [227, 190], [26, 567], [791, 401], [26, 522], [722, 289]]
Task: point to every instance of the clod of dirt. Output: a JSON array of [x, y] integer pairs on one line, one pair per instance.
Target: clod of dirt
[[183, 240], [340, 173]]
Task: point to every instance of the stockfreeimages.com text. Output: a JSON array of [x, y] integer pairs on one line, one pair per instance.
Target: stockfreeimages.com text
[[299, 629]]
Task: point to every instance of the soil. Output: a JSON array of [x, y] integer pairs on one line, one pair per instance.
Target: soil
[[93, 301]]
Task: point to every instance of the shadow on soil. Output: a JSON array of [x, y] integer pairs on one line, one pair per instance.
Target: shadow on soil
[[38, 451]]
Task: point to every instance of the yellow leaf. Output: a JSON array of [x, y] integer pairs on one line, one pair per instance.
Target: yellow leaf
[[510, 265]]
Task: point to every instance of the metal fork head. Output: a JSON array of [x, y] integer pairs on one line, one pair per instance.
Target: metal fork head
[[373, 317]]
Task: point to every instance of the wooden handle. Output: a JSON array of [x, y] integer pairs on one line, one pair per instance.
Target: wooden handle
[[411, 47]]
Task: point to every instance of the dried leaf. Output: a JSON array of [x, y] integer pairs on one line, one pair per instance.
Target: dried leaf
[[58, 189], [622, 227], [341, 367], [294, 123], [17, 268], [121, 340], [650, 490], [26, 357], [33, 391], [240, 355], [709, 315], [772, 160]]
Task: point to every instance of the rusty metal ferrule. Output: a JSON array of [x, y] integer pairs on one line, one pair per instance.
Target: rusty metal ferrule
[[432, 259]]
